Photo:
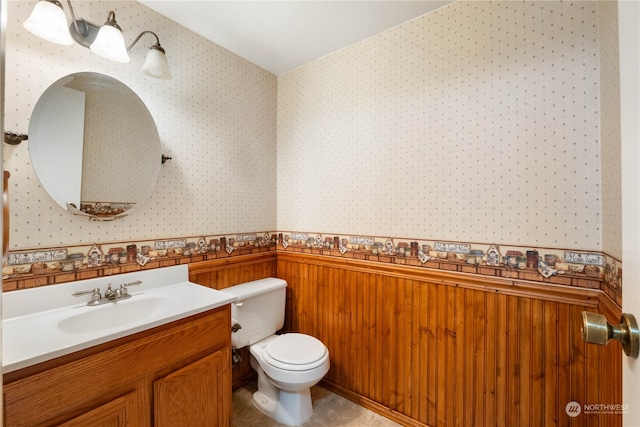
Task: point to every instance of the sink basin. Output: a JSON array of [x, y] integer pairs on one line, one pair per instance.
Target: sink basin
[[40, 324], [115, 314]]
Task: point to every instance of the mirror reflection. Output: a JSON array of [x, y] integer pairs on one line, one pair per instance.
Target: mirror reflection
[[94, 146]]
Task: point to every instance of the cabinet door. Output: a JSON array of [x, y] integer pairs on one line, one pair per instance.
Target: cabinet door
[[116, 413], [196, 395]]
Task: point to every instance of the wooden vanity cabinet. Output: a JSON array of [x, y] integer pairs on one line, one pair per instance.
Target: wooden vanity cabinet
[[171, 375], [194, 395]]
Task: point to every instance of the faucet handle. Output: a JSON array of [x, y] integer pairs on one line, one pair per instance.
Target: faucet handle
[[95, 295], [124, 286], [136, 283]]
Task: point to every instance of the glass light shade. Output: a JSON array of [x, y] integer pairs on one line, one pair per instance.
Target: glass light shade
[[156, 65], [48, 21], [109, 44]]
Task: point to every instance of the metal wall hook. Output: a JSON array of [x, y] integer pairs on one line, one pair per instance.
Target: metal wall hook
[[15, 138], [596, 330]]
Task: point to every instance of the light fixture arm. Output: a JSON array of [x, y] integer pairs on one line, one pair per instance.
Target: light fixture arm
[[83, 32], [155, 46], [73, 15]]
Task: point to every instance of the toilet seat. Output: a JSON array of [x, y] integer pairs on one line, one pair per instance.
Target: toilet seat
[[295, 352]]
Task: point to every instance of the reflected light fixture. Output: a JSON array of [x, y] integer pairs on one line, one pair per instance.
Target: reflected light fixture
[[49, 22]]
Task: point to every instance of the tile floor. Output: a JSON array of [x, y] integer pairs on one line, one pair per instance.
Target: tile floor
[[330, 410]]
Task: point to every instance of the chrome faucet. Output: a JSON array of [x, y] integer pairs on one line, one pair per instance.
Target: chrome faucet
[[116, 294], [110, 295]]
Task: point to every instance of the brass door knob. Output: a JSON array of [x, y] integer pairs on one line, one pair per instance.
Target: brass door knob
[[596, 330]]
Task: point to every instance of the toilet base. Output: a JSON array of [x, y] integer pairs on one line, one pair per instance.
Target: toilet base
[[290, 408], [287, 398]]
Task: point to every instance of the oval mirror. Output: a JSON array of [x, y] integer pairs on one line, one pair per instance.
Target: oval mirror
[[94, 146]]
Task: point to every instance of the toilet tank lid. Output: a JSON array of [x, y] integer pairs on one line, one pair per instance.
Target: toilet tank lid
[[255, 288]]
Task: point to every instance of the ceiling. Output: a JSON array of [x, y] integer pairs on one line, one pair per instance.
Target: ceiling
[[280, 36]]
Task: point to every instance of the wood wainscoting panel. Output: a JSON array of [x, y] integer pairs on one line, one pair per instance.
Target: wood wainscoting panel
[[434, 348], [224, 272]]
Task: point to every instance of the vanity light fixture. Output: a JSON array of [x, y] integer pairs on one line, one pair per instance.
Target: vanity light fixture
[[49, 22]]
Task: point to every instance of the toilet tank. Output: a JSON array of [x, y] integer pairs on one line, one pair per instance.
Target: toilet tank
[[259, 310]]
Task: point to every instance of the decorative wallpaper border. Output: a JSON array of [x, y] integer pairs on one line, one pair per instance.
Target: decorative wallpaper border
[[586, 269], [592, 270], [42, 267]]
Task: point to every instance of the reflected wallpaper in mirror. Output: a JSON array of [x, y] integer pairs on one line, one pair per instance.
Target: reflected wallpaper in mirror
[[94, 145]]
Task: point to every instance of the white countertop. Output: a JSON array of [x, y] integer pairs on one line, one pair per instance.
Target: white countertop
[[32, 329]]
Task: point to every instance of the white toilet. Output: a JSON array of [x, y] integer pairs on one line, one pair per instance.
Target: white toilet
[[287, 365]]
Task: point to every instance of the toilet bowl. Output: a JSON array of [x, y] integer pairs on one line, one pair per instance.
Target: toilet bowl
[[287, 365]]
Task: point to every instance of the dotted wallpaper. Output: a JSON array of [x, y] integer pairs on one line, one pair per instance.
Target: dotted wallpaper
[[610, 131], [117, 158], [477, 122], [216, 119], [490, 122]]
